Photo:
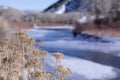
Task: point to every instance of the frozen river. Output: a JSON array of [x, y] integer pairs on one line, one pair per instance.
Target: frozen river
[[95, 57]]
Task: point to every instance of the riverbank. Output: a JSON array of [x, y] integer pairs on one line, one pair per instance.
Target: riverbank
[[28, 25], [102, 32]]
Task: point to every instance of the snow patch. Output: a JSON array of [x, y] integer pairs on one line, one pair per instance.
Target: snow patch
[[60, 10], [53, 27], [83, 69], [83, 19], [89, 69], [36, 33]]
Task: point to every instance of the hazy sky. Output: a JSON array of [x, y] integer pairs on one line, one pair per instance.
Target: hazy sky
[[28, 4]]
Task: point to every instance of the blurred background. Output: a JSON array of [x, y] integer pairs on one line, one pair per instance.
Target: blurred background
[[86, 31]]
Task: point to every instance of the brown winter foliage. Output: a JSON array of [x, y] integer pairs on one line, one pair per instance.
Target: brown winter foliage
[[21, 60], [4, 28]]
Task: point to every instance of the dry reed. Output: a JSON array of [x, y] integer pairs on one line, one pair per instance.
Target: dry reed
[[20, 60]]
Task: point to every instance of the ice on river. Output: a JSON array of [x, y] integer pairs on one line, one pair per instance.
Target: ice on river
[[89, 59]]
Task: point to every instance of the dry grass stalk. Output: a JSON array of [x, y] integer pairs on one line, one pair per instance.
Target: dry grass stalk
[[60, 71], [20, 60]]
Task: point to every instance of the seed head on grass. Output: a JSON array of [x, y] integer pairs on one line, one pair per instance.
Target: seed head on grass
[[58, 55], [63, 70], [60, 71], [42, 75], [43, 53], [15, 73], [17, 57]]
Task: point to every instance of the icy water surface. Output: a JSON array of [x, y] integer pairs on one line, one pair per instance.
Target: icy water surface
[[97, 49]]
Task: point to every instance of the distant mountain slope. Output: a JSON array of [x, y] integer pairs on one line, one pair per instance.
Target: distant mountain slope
[[55, 5], [63, 6]]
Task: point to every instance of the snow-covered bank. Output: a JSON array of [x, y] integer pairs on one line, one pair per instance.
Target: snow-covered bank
[[89, 69], [84, 69], [53, 27]]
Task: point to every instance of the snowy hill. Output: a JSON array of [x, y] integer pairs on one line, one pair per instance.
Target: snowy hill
[[63, 6]]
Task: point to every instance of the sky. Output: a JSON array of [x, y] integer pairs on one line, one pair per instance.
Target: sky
[[38, 5]]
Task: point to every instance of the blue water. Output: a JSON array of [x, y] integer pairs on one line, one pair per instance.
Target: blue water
[[100, 50]]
